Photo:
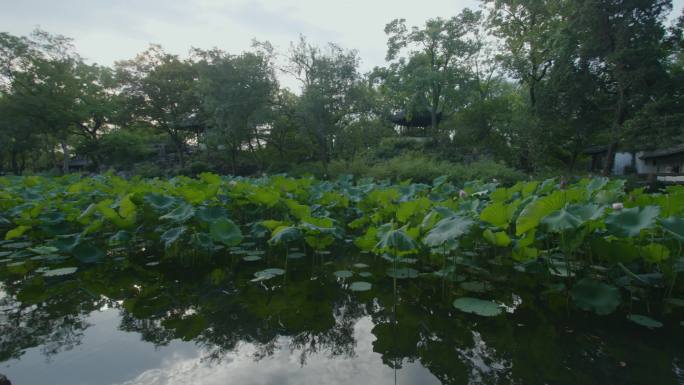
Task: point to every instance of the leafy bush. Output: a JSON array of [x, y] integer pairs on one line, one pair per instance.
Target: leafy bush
[[147, 170], [421, 168]]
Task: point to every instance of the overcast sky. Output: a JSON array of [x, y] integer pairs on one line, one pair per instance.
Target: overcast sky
[[108, 30]]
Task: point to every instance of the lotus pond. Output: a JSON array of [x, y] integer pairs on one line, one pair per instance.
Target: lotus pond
[[220, 280]]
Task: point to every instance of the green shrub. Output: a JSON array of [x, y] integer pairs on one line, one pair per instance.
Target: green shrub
[[148, 170], [418, 168]]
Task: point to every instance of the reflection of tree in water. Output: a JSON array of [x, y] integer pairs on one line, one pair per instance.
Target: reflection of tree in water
[[317, 316], [51, 315], [309, 316]]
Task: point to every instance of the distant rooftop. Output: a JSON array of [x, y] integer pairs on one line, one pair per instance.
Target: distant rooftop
[[679, 149]]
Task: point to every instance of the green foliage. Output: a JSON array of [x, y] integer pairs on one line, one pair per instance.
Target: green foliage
[[596, 296], [225, 231], [477, 306]]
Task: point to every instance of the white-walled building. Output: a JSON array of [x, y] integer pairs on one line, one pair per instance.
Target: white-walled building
[[667, 164]]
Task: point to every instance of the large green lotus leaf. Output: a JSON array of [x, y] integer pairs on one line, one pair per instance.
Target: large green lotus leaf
[[614, 250], [396, 240], [160, 202], [535, 211], [202, 241], [367, 241], [119, 238], [587, 212], [477, 306], [562, 220], [644, 321], [630, 222], [66, 243], [225, 231], [448, 229], [500, 214], [180, 214], [210, 214], [170, 236], [597, 183], [298, 210], [285, 234], [674, 226], [410, 208], [265, 197], [592, 295], [655, 252], [86, 252], [360, 286], [17, 232], [499, 238]]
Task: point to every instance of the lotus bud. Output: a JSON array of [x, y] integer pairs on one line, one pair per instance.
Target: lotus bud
[[462, 194], [618, 206]]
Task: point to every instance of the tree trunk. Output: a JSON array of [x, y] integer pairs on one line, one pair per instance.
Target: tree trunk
[[65, 159], [15, 165], [615, 128]]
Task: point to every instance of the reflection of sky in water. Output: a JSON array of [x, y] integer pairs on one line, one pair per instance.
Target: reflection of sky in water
[[110, 356]]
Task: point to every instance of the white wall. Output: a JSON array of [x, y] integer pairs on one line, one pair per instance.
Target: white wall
[[622, 160]]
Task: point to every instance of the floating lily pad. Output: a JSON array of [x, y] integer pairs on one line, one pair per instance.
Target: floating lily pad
[[15, 264], [44, 250], [17, 245], [266, 274], [477, 306], [295, 255], [87, 253], [251, 258], [60, 271], [360, 286], [5, 253], [343, 274], [644, 321], [476, 286], [595, 296], [155, 263], [365, 274], [5, 260], [402, 273], [360, 265]]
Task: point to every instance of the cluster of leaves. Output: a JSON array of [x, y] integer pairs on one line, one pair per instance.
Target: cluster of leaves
[[591, 241]]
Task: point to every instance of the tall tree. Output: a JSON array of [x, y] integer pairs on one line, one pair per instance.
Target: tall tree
[[160, 89], [237, 93], [434, 72], [329, 79], [624, 40]]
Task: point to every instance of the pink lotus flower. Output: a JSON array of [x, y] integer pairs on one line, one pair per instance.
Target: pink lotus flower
[[618, 206], [462, 194]]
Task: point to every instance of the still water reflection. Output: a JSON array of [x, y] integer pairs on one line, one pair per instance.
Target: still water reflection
[[130, 321]]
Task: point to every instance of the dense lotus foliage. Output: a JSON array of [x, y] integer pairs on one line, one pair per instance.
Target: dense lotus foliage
[[592, 244]]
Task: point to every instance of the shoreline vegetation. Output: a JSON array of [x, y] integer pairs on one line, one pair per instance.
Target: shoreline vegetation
[[602, 247], [512, 89]]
